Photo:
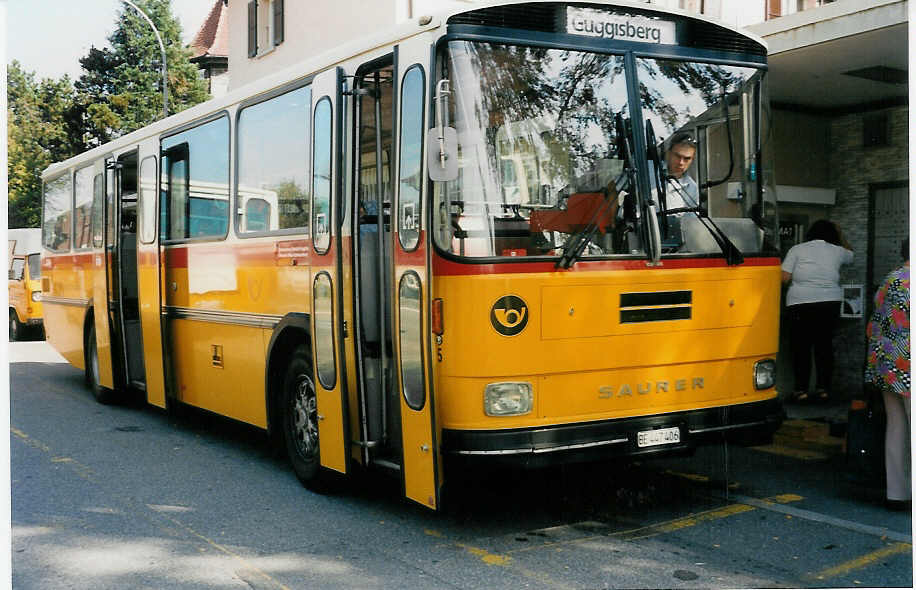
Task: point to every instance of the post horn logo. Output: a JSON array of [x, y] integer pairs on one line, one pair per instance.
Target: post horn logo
[[509, 315]]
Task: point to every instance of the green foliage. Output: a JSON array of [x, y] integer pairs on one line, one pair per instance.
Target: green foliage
[[42, 128], [120, 90]]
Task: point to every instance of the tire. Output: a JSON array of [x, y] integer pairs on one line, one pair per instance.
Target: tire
[[103, 395], [300, 422], [17, 330]]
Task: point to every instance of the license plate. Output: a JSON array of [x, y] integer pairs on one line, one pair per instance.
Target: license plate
[[662, 436]]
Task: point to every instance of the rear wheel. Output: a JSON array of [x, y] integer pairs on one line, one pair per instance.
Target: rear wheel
[[103, 395], [300, 421], [16, 327]]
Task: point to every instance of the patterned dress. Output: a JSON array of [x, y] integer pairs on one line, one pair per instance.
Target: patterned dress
[[888, 333]]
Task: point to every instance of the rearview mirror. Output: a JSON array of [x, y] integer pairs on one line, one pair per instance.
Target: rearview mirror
[[442, 154], [442, 141]]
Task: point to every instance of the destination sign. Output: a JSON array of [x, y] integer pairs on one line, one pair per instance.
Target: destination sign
[[595, 23]]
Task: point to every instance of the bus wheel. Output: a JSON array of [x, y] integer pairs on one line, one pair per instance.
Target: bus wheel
[[103, 395], [300, 419], [15, 327]]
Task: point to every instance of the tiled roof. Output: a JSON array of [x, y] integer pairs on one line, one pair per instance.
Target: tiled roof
[[212, 40]]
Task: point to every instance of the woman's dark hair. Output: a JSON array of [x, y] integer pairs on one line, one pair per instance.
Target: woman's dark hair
[[823, 230]]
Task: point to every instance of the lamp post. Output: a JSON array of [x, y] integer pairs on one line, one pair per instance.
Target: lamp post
[[165, 71]]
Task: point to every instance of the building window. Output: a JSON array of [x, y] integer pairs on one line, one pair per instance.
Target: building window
[[875, 130], [265, 26]]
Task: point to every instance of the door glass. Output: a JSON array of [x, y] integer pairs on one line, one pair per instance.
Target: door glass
[[411, 319], [411, 146], [324, 331], [148, 200], [321, 183]]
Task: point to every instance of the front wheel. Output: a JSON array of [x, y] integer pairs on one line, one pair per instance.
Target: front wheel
[[102, 394], [300, 422]]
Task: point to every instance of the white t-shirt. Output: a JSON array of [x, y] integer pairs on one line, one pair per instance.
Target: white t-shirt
[[815, 268]]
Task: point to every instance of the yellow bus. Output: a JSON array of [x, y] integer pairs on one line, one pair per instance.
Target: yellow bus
[[457, 242]]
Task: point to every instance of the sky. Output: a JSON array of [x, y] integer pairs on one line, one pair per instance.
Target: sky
[[50, 36]]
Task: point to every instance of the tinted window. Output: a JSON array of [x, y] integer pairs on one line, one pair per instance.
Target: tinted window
[[56, 213], [34, 266], [98, 210], [198, 161], [273, 145]]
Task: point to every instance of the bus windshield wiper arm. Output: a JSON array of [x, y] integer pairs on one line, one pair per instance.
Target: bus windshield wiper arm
[[733, 255], [574, 246]]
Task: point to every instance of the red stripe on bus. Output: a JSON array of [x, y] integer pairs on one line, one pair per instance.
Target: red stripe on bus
[[444, 267]]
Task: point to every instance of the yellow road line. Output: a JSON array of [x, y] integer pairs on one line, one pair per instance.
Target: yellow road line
[[863, 561]]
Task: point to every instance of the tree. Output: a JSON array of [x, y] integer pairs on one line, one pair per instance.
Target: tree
[[42, 128], [120, 90]]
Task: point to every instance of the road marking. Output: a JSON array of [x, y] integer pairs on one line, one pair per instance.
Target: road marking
[[824, 518], [485, 556], [863, 561], [684, 522]]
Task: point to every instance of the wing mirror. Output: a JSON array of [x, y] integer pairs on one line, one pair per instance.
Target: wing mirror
[[442, 140]]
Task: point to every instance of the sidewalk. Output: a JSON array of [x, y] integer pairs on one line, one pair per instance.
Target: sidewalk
[[813, 430]]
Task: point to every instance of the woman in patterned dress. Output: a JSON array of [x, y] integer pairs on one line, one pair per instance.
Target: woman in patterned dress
[[888, 369]]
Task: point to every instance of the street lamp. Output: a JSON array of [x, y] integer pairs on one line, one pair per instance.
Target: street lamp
[[165, 72]]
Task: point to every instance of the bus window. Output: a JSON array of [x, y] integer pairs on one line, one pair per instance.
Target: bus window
[[273, 163], [98, 210], [321, 183], [534, 165], [83, 194], [148, 200], [56, 213], [411, 146], [257, 215], [195, 165]]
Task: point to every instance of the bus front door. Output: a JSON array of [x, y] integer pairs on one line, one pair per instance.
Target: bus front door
[[327, 313], [411, 283], [149, 274], [103, 245]]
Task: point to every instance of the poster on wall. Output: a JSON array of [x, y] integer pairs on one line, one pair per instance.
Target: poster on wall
[[852, 305]]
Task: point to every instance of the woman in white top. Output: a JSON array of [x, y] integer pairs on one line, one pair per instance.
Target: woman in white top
[[812, 270]]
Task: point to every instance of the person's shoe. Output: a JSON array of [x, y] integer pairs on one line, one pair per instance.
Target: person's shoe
[[898, 505]]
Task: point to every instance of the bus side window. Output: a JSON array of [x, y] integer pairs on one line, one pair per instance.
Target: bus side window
[[175, 204]]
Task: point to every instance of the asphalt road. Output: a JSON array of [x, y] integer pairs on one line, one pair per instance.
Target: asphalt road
[[128, 496]]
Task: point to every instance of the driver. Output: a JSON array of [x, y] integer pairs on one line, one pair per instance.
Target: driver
[[681, 152]]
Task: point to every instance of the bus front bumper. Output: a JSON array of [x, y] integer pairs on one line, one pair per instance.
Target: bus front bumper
[[746, 424]]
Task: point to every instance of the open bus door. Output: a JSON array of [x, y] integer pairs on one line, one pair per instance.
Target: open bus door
[[327, 312], [103, 203], [149, 277], [411, 283]]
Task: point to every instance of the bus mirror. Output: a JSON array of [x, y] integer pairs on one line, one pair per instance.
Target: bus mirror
[[442, 154], [442, 141]]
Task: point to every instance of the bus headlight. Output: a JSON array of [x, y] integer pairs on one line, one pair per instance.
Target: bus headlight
[[765, 374], [507, 399], [36, 295]]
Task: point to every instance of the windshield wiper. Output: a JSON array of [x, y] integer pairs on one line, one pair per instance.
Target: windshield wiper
[[575, 245], [733, 255]]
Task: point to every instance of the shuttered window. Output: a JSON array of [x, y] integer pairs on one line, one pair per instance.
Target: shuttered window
[[252, 28], [278, 21]]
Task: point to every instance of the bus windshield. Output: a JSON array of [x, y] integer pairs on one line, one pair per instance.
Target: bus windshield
[[543, 143]]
